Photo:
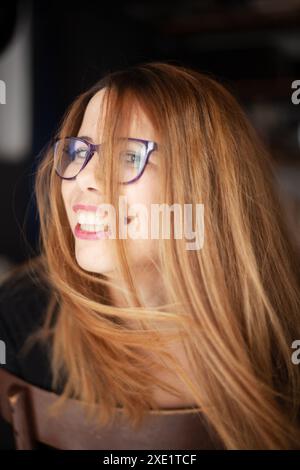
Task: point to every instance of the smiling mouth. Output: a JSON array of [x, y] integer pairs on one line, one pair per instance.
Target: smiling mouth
[[93, 228], [97, 230]]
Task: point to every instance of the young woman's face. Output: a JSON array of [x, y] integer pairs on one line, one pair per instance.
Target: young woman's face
[[96, 255]]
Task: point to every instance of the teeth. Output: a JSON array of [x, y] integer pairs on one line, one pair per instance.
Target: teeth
[[94, 228], [88, 218], [90, 222]]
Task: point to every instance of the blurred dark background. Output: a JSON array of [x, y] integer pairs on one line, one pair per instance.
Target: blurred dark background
[[52, 51]]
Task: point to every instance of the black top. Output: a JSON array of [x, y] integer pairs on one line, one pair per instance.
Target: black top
[[22, 310], [23, 303]]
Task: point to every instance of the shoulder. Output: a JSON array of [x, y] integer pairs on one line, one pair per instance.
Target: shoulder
[[24, 296]]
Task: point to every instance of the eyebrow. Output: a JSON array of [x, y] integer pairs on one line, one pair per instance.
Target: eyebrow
[[86, 138]]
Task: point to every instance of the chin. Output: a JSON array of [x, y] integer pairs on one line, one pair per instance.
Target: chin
[[88, 260]]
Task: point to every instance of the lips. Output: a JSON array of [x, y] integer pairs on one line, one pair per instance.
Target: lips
[[86, 223], [88, 235], [89, 208]]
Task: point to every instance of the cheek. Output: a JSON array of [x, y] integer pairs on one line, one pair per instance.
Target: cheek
[[68, 189], [66, 192], [145, 191], [142, 194]]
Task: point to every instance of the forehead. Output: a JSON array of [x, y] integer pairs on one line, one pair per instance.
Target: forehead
[[94, 116]]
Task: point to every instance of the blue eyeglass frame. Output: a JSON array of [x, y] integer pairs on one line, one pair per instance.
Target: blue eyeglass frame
[[151, 146]]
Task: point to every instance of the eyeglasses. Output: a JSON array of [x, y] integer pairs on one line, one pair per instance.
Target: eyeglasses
[[72, 154]]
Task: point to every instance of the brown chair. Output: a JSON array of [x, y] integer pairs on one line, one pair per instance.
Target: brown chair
[[24, 406]]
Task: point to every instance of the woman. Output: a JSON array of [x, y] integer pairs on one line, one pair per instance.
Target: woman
[[147, 322]]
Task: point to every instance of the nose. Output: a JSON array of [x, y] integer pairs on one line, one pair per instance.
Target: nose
[[86, 178]]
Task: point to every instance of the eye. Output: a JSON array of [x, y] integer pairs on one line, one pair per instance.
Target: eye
[[79, 154], [132, 158]]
